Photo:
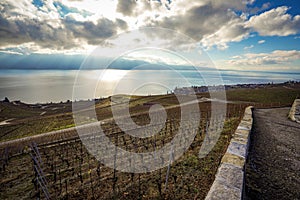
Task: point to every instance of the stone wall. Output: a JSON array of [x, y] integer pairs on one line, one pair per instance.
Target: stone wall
[[294, 114], [229, 180]]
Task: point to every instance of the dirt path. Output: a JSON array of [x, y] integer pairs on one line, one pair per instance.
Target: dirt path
[[273, 164], [5, 122]]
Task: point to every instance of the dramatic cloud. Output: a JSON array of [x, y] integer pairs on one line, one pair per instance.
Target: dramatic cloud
[[233, 30], [66, 25], [19, 26], [52, 31], [94, 32], [275, 57], [211, 23], [261, 41], [275, 22]]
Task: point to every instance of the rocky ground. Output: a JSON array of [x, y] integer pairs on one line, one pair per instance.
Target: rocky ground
[[273, 165]]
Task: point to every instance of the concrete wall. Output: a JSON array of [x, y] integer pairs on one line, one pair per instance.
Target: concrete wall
[[229, 181]]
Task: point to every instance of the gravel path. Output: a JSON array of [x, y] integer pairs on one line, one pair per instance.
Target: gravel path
[[273, 164]]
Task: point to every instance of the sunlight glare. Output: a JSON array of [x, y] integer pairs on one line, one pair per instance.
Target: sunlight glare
[[110, 75]]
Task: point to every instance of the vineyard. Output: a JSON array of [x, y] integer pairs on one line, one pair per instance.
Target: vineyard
[[59, 166], [64, 169]]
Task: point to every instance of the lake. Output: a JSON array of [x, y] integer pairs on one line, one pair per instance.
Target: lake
[[41, 86]]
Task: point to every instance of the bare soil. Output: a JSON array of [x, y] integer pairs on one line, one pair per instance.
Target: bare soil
[[273, 164]]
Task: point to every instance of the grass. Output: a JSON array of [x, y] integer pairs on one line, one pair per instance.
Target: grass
[[268, 95]]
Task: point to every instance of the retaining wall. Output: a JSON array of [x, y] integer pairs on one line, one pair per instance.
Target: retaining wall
[[294, 114], [229, 180]]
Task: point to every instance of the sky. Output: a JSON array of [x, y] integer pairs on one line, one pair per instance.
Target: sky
[[236, 34]]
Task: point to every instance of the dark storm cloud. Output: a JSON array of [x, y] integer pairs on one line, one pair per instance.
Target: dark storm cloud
[[18, 31], [94, 32], [56, 34], [126, 7]]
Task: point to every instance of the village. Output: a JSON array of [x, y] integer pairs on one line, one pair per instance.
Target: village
[[202, 89]]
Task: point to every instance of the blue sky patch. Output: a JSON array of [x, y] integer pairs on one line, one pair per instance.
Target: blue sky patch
[[38, 3]]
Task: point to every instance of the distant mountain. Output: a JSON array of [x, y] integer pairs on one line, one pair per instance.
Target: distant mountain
[[40, 61], [73, 62]]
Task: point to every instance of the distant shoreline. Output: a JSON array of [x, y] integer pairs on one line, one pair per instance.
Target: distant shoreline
[[44, 86], [146, 69], [178, 90]]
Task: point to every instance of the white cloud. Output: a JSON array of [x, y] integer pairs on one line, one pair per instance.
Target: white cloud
[[98, 8], [236, 57], [261, 41], [274, 58], [248, 47], [275, 22], [233, 30], [10, 52]]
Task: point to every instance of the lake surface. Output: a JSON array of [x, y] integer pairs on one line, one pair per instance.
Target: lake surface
[[40, 86]]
